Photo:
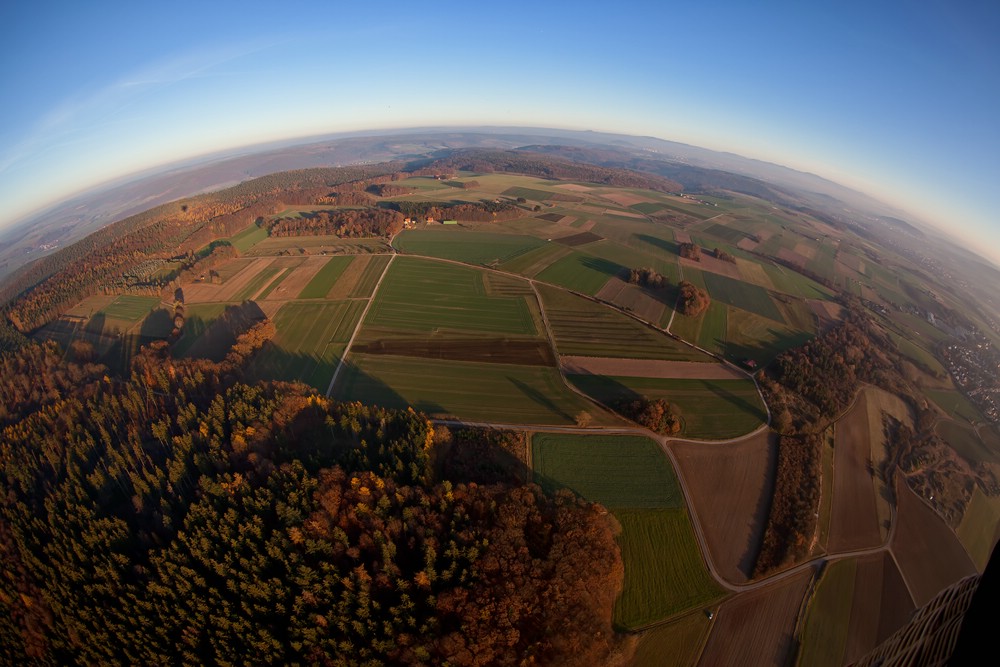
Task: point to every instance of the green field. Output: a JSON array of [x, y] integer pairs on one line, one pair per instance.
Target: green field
[[310, 341], [964, 440], [729, 234], [633, 258], [274, 283], [323, 281], [473, 247], [707, 330], [709, 409], [955, 404], [365, 285], [824, 635], [616, 471], [750, 336], [532, 263], [664, 571], [581, 272], [419, 295], [539, 195], [331, 244], [256, 283], [583, 327], [248, 238], [743, 295], [197, 319], [980, 527], [129, 308], [474, 391], [790, 282], [675, 644]]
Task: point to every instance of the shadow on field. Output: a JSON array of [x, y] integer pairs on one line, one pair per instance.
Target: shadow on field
[[661, 244], [605, 266], [736, 401], [220, 334], [539, 398], [763, 353], [761, 511]]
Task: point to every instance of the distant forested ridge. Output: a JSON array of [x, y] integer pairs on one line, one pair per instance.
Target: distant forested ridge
[[178, 515]]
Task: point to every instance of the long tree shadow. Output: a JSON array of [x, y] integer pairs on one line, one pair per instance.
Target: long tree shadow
[[539, 398], [605, 266], [761, 512], [669, 247], [737, 401]]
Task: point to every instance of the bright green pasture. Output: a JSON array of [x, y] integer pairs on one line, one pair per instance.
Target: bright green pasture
[[709, 409], [310, 341], [248, 237], [955, 404], [274, 283], [583, 327], [426, 296], [130, 308], [664, 571], [824, 635], [474, 391], [535, 261], [581, 272], [473, 247], [617, 471], [324, 279], [747, 296]]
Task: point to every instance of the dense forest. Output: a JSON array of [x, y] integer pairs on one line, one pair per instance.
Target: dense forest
[[179, 515]]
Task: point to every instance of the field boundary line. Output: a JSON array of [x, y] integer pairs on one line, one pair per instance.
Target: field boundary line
[[357, 327]]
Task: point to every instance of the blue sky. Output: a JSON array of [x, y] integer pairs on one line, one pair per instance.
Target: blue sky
[[898, 99]]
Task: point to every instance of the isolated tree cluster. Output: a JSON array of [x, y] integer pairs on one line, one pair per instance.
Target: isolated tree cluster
[[647, 278], [691, 300]]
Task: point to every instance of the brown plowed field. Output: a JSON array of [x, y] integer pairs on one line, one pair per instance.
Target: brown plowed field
[[579, 239], [793, 257], [854, 521], [497, 351], [930, 557], [755, 628], [648, 368], [626, 198], [709, 263], [881, 605], [731, 488]]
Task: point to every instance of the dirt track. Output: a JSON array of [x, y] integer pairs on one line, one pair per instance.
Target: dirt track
[[648, 368]]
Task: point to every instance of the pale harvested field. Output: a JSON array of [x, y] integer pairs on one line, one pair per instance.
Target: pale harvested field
[[349, 278], [827, 312], [567, 220], [731, 488], [207, 292], [682, 237], [648, 368], [624, 214], [793, 257], [291, 286], [880, 606], [587, 226], [573, 187], [270, 308], [854, 521], [755, 628], [752, 272], [626, 198], [546, 259], [709, 263], [747, 244], [930, 557], [632, 298], [879, 402], [805, 249]]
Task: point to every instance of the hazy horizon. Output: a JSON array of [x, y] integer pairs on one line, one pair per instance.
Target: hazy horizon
[[886, 102]]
